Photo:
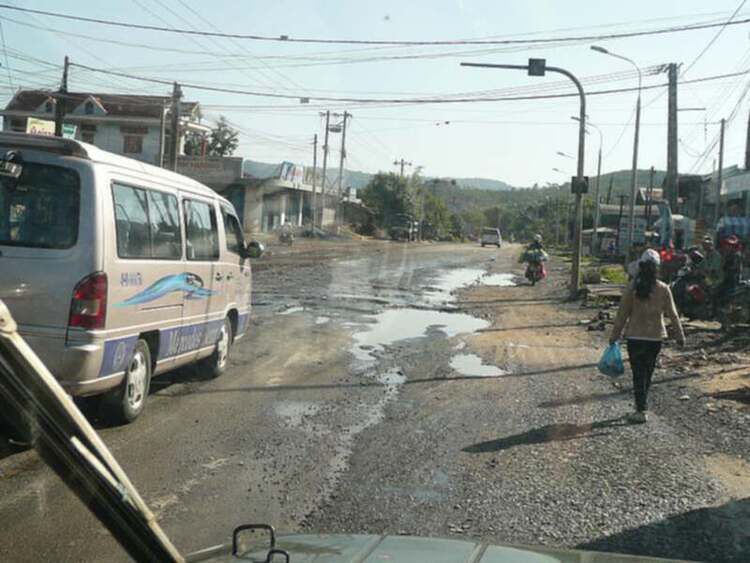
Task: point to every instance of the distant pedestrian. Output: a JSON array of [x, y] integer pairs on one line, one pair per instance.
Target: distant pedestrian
[[645, 303]]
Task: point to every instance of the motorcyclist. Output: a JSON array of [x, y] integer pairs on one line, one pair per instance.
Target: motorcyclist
[[535, 256], [712, 266], [536, 244]]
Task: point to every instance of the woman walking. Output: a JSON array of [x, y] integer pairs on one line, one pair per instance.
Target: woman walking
[[645, 303]]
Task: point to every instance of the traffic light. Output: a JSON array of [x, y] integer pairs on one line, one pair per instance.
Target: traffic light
[[537, 67], [579, 186]]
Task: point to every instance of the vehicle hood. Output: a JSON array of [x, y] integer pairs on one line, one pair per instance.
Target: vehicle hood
[[342, 548]]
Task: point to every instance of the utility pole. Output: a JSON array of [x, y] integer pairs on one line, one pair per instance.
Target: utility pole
[[162, 133], [401, 163], [61, 99], [622, 197], [649, 197], [597, 201], [672, 182], [609, 190], [717, 211], [634, 174], [347, 115], [315, 173], [325, 162], [747, 144], [174, 148]]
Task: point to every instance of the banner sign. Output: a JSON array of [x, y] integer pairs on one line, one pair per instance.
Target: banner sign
[[36, 126]]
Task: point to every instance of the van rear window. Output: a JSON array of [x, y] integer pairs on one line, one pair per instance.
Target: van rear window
[[40, 209]]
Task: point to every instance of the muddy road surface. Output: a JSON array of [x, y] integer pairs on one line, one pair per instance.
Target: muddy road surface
[[403, 388]]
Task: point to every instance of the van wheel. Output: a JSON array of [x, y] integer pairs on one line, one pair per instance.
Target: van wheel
[[123, 404], [216, 363]]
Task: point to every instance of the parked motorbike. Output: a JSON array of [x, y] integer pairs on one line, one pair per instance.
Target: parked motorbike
[[690, 294], [286, 235], [694, 301], [734, 308]]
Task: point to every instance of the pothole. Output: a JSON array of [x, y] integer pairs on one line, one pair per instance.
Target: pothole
[[394, 325], [471, 365]]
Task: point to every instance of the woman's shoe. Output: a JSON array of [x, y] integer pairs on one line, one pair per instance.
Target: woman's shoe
[[638, 417]]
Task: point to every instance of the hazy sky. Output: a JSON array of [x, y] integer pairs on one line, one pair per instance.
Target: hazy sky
[[513, 141]]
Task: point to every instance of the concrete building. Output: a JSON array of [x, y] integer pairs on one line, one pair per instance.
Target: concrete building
[[134, 126], [286, 196]]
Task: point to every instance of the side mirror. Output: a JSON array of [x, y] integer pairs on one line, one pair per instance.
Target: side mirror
[[254, 249]]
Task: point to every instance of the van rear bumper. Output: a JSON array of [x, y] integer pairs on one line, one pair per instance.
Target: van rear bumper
[[77, 367]]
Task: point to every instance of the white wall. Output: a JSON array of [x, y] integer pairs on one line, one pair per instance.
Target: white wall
[[109, 138]]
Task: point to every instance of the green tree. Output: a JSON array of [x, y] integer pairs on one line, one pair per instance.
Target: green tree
[[389, 196], [224, 140], [437, 214]]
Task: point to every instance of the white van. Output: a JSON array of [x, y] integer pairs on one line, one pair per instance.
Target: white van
[[116, 270]]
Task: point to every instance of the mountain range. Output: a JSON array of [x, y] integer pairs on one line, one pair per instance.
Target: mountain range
[[358, 180], [620, 179]]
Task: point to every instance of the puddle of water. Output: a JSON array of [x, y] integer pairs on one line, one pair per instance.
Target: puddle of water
[[451, 280], [471, 365], [502, 280], [322, 320], [292, 310], [391, 377], [394, 325]]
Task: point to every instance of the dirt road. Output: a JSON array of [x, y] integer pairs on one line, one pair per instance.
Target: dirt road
[[409, 389]]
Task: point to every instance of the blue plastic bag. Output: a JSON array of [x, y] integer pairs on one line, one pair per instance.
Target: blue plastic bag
[[611, 363]]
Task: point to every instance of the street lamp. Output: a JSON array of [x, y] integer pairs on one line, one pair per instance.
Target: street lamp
[[538, 67], [595, 234], [560, 153], [634, 177]]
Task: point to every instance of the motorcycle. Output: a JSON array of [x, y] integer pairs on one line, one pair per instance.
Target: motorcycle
[[286, 235], [690, 294], [535, 270], [735, 306], [693, 299]]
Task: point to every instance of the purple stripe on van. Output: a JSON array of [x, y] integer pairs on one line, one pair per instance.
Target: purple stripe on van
[[117, 354], [176, 341]]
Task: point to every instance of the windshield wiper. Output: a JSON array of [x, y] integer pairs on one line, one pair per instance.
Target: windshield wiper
[[70, 446]]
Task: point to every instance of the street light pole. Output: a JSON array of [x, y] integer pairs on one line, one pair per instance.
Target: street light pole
[[538, 67], [634, 175], [597, 202]]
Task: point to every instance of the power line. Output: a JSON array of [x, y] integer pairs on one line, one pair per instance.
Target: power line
[[436, 100], [713, 39], [5, 54], [287, 39]]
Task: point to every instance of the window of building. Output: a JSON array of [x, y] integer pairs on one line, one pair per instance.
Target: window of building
[[88, 133], [233, 233], [132, 144], [48, 106], [201, 231], [18, 125], [88, 108]]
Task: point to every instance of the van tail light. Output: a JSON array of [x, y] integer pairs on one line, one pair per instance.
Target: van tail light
[[88, 308]]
